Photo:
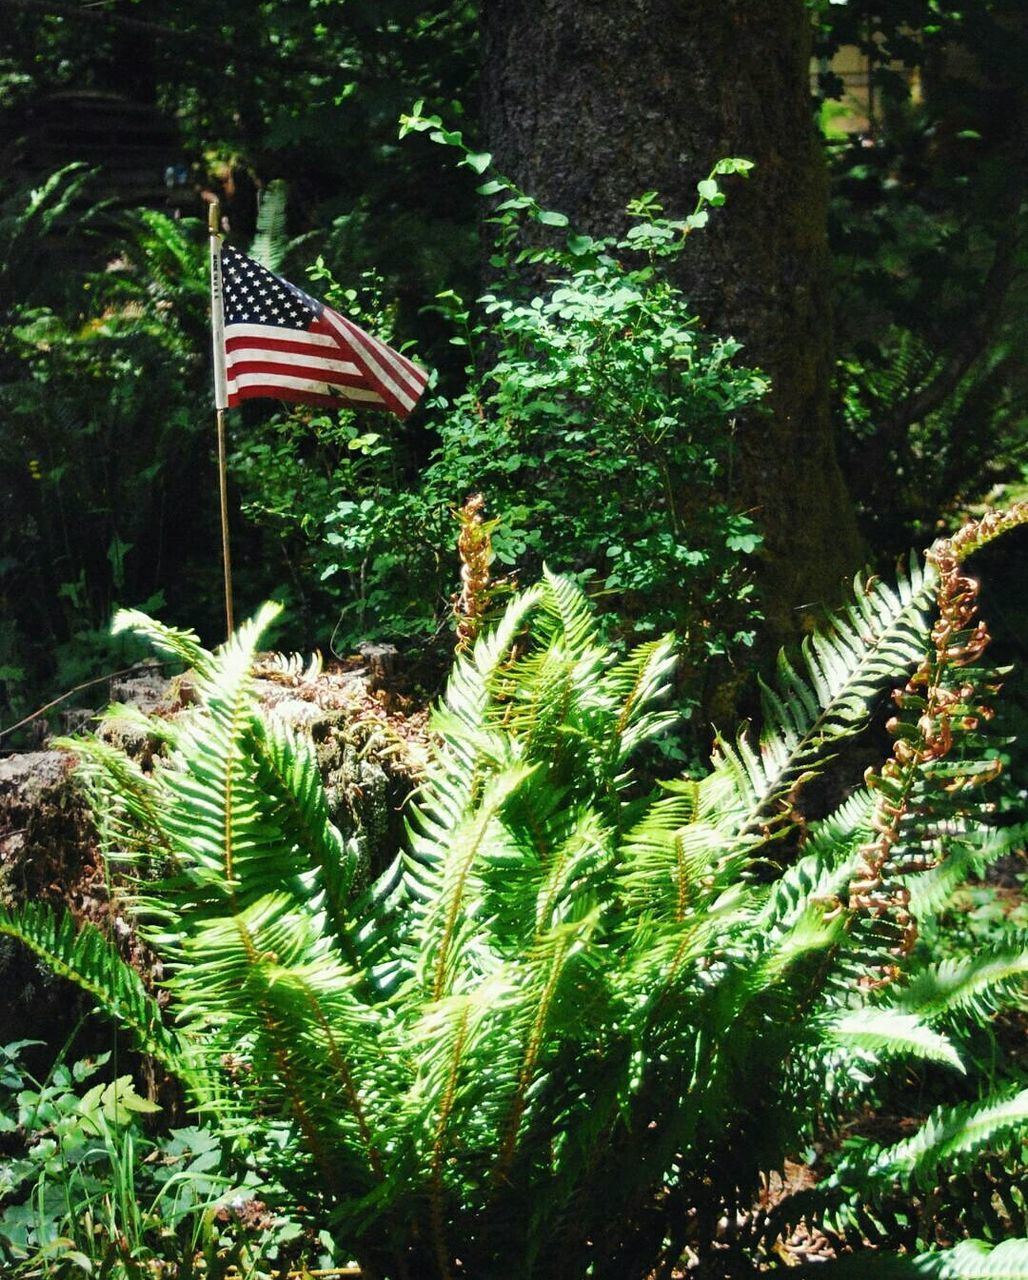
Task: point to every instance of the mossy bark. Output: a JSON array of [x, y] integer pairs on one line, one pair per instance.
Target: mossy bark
[[48, 853], [586, 106]]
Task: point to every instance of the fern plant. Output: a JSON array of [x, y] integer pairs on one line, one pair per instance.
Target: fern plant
[[57, 207], [575, 1022], [99, 379]]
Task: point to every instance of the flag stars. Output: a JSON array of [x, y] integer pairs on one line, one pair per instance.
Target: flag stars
[[257, 296]]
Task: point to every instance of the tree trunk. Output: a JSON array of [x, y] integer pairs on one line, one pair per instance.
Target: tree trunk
[[588, 105]]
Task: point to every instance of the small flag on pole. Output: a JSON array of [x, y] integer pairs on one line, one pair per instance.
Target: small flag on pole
[[272, 339]]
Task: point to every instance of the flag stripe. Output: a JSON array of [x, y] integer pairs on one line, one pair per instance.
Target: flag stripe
[[246, 355], [273, 373], [276, 334], [279, 382], [303, 396], [399, 400]]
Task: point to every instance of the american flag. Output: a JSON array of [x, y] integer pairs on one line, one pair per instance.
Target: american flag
[[275, 340]]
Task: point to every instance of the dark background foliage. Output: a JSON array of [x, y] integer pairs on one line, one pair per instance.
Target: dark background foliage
[[106, 453]]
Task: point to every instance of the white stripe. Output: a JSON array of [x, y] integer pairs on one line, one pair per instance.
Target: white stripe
[[245, 354], [400, 365], [271, 380], [416, 376], [404, 368], [353, 337], [277, 332]]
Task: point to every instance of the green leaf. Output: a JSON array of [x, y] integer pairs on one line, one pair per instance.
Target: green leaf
[[734, 165], [747, 543], [881, 1031], [977, 1260], [448, 137], [580, 245], [951, 1133]]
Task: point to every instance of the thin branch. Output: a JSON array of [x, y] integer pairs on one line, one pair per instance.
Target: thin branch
[[86, 684]]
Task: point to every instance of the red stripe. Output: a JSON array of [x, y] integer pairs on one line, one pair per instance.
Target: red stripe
[[238, 367], [296, 396], [347, 327], [299, 347]]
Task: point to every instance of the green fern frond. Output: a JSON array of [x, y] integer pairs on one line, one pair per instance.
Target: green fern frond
[[270, 241], [807, 932], [883, 1032], [121, 716], [181, 644], [969, 1260], [30, 216], [254, 968], [980, 983], [565, 613], [977, 1260], [952, 1135], [634, 686], [129, 800], [556, 714], [932, 890], [671, 862], [566, 690], [578, 851], [287, 770], [460, 719], [454, 868], [823, 874], [174, 256], [57, 194], [845, 667], [87, 958], [264, 981], [547, 970], [215, 813]]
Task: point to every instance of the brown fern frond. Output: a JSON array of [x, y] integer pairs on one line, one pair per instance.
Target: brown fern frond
[[946, 706], [475, 549]]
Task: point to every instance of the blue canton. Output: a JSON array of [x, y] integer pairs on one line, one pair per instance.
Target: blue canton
[[255, 295]]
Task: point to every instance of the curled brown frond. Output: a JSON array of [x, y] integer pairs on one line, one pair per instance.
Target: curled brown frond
[[942, 700], [475, 549]]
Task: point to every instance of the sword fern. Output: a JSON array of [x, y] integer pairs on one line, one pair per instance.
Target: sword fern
[[566, 993]]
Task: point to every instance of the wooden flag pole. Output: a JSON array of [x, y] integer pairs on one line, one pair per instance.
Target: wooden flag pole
[[218, 330], [225, 552]]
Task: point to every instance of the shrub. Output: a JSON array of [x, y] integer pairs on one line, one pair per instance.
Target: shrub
[[596, 418]]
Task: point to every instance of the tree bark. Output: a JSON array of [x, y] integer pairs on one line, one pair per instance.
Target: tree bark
[[586, 106]]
